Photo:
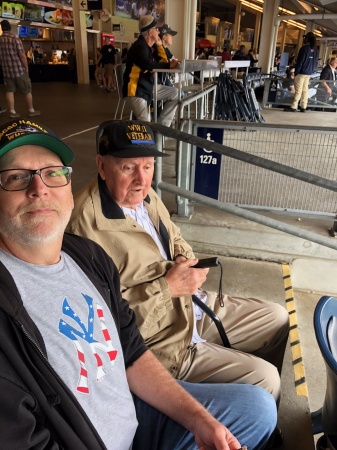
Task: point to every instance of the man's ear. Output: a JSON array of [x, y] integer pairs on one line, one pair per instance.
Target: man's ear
[[100, 166]]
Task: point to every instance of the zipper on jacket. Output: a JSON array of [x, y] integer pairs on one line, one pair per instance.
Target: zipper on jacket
[[34, 343], [56, 399]]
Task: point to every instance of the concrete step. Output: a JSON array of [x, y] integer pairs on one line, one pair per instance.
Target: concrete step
[[219, 233], [264, 280]]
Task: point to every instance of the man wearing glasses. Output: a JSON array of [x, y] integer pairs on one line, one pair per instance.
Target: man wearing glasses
[[138, 77], [74, 370]]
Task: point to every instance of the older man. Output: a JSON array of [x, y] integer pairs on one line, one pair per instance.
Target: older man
[[70, 351], [327, 89], [122, 213], [138, 76]]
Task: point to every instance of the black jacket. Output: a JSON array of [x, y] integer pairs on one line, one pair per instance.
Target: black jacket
[[327, 73], [138, 75], [306, 62], [37, 410]]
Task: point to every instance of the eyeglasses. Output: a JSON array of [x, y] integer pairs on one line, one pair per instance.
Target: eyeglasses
[[20, 179]]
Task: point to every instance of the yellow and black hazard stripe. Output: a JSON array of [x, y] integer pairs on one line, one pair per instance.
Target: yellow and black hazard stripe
[[294, 336]]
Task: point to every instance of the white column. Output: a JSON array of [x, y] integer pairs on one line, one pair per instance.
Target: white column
[[268, 35], [257, 30], [237, 25], [180, 15], [81, 45], [284, 35]]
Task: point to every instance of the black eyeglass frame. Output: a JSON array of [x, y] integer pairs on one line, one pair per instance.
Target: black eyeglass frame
[[33, 172]]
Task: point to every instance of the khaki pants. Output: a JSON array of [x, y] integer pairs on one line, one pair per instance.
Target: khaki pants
[[301, 91], [258, 333], [141, 110]]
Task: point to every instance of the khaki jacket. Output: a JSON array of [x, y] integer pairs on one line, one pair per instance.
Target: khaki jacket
[[165, 323]]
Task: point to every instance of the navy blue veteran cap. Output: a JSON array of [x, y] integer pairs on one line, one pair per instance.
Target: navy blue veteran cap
[[126, 139], [165, 29], [21, 132]]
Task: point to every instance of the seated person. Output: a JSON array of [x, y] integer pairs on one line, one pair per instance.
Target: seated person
[[241, 55], [164, 54], [288, 88], [75, 372], [122, 213], [138, 78], [226, 54], [327, 92], [253, 61], [290, 72]]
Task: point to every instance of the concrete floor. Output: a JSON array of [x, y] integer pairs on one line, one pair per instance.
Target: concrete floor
[[74, 112]]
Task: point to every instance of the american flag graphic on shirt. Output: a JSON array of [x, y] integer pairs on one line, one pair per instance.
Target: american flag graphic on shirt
[[85, 331]]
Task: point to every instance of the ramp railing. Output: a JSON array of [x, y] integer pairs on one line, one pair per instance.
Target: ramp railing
[[301, 177]]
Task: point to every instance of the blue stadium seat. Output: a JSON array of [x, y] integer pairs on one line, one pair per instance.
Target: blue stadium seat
[[325, 419]]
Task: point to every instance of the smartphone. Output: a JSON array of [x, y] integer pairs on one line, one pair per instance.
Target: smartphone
[[206, 263]]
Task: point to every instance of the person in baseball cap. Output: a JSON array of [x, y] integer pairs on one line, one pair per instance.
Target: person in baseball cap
[[126, 139], [138, 79], [165, 29], [166, 35], [19, 132]]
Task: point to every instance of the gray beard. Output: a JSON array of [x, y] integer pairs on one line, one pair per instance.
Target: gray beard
[[27, 237]]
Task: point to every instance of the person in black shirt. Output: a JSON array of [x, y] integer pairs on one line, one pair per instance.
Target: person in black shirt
[[241, 55], [109, 59]]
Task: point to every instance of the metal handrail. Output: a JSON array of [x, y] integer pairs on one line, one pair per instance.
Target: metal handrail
[[236, 210], [248, 158], [249, 215]]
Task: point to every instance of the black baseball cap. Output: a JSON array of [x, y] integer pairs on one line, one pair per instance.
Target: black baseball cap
[[309, 35], [165, 29], [21, 132], [126, 139]]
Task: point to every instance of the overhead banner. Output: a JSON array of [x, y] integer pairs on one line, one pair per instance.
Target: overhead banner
[[67, 4], [136, 9], [58, 17], [11, 10]]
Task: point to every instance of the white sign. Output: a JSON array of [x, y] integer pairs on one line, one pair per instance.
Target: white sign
[[83, 5]]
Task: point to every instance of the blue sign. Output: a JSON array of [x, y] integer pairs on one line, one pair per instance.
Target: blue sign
[[208, 164], [272, 91]]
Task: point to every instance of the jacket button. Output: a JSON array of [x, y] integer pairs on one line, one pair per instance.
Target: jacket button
[[174, 368], [187, 306]]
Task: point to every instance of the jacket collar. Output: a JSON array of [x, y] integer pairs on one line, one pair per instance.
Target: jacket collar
[[110, 209]]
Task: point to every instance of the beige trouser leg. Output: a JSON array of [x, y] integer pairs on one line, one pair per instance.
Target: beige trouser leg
[[301, 83], [140, 108], [252, 326]]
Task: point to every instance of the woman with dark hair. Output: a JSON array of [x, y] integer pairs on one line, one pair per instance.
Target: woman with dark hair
[[305, 66]]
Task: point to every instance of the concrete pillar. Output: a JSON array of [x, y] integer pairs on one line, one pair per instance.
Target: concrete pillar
[[180, 15], [323, 53], [310, 26], [81, 45], [284, 35], [237, 25], [300, 39], [268, 35], [257, 30]]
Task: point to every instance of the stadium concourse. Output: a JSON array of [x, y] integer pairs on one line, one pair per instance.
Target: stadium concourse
[[75, 111]]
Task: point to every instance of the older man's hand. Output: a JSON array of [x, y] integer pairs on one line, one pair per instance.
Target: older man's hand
[[182, 279]]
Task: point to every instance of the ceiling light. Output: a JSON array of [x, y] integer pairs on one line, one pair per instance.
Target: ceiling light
[[295, 24], [252, 5]]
